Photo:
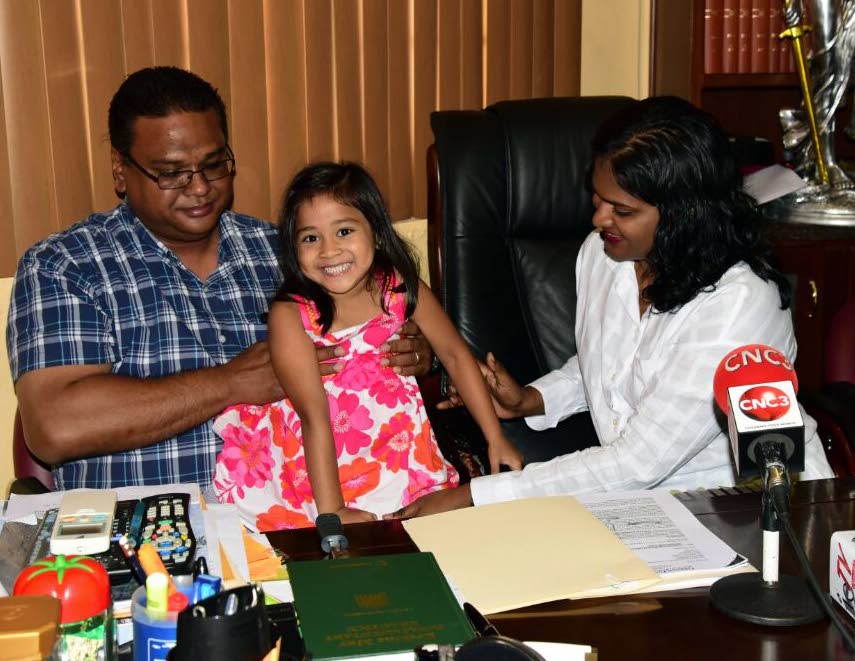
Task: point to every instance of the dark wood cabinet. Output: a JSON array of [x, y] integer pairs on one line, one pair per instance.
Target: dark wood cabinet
[[822, 259]]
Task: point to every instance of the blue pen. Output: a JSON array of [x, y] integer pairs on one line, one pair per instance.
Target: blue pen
[[133, 560], [136, 522]]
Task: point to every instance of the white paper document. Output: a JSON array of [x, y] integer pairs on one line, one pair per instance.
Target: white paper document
[[25, 505], [667, 536], [771, 183]]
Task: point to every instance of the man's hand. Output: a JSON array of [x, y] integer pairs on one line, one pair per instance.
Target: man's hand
[[510, 399], [327, 359], [252, 378], [434, 503], [409, 355]]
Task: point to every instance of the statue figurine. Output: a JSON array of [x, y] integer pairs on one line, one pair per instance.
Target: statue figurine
[[829, 199], [829, 70]]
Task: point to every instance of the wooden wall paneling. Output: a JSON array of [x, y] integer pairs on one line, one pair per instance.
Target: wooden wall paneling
[[375, 91], [348, 80], [472, 55], [8, 252], [137, 34], [169, 25], [424, 96], [100, 73], [70, 166], [498, 41], [320, 106], [249, 107], [449, 54], [568, 52], [32, 197], [671, 47], [400, 98], [286, 93], [520, 51], [543, 43]]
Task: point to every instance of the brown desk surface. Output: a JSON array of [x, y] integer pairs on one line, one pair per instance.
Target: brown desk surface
[[672, 625]]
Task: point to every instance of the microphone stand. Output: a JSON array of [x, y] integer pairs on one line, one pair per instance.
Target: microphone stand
[[769, 599]]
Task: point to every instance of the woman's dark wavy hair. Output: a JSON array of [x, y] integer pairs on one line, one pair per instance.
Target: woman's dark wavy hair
[[351, 185], [675, 157]]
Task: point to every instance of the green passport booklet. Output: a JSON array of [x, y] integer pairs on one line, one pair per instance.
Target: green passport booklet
[[374, 605]]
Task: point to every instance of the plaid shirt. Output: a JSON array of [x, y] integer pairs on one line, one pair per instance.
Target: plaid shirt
[[107, 291]]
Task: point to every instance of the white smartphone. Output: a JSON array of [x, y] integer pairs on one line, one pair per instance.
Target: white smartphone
[[84, 522]]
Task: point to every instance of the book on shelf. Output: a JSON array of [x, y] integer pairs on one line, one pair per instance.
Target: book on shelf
[[730, 37], [776, 26], [744, 63], [760, 35], [351, 607], [712, 36]]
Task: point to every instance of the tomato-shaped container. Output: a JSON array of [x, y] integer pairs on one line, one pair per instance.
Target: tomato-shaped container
[[82, 586]]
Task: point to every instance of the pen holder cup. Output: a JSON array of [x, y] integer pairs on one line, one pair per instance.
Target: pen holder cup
[[230, 626], [154, 636]]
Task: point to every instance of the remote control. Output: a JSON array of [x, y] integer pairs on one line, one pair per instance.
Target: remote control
[[165, 525]]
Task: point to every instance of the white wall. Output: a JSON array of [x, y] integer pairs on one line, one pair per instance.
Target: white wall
[[615, 47]]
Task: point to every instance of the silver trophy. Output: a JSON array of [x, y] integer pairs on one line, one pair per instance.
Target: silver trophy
[[809, 130]]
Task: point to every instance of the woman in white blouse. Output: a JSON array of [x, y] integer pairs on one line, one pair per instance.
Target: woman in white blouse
[[674, 276]]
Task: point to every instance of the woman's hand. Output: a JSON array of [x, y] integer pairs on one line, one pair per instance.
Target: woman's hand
[[500, 451], [510, 399], [353, 515], [434, 503]]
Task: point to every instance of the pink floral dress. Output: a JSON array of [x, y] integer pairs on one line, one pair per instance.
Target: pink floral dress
[[387, 453]]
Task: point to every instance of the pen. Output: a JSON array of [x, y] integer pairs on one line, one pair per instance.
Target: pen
[[482, 624], [136, 522], [133, 561]]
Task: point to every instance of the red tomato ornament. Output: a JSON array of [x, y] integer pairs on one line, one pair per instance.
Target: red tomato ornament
[[79, 582]]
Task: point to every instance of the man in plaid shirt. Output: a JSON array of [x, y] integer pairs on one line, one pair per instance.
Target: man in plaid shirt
[[130, 330]]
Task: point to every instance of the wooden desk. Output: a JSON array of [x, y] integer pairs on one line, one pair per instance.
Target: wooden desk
[[672, 625]]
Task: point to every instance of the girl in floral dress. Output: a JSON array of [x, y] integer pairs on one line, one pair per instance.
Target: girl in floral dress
[[357, 443]]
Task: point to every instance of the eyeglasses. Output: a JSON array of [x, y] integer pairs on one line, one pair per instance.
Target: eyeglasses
[[181, 178]]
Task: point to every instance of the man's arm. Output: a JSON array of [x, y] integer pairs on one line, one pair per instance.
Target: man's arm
[[84, 410]]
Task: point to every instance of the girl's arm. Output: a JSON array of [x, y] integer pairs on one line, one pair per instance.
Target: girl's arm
[[296, 365], [461, 365]]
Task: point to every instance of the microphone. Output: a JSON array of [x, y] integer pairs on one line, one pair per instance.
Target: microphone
[[331, 531], [756, 385]]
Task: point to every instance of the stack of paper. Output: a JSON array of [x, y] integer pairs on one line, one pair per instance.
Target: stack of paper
[[525, 552], [519, 553]]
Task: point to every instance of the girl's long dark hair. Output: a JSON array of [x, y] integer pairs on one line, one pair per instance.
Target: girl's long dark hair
[[675, 157], [351, 185]]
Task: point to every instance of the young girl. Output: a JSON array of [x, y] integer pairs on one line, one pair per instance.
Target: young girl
[[357, 443]]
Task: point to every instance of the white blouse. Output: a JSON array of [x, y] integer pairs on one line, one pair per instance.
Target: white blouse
[[647, 381]]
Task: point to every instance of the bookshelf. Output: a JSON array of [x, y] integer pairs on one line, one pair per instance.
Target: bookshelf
[[821, 258], [745, 103]]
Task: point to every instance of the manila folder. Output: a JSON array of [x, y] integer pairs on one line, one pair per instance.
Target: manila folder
[[523, 552]]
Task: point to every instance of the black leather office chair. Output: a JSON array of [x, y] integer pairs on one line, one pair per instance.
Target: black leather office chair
[[508, 209]]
